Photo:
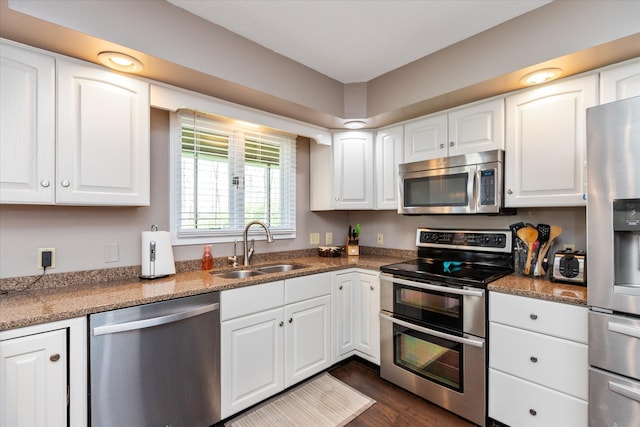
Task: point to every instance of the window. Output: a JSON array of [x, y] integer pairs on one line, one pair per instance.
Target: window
[[226, 174]]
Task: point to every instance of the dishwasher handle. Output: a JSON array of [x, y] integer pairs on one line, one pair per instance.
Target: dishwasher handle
[[154, 321]]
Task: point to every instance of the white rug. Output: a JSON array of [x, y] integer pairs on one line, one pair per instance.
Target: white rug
[[323, 401]]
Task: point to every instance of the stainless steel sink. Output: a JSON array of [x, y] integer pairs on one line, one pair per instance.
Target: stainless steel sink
[[258, 271], [239, 274], [279, 268]]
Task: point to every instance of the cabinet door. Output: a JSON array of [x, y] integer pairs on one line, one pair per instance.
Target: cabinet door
[[103, 137], [426, 138], [620, 82], [353, 170], [27, 126], [307, 338], [368, 324], [546, 144], [477, 128], [344, 317], [33, 380], [252, 360], [389, 152]]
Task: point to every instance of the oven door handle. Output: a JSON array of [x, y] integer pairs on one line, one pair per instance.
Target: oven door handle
[[461, 340], [430, 287]]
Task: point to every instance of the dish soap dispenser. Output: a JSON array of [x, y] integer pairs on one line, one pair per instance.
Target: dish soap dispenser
[[207, 258]]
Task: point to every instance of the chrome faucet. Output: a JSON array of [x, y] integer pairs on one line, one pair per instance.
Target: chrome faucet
[[248, 251]]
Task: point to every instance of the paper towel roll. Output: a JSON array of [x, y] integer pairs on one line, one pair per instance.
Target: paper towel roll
[[163, 264]]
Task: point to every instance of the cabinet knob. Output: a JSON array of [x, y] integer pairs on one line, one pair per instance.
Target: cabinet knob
[[509, 191], [371, 287], [451, 144], [441, 145], [533, 359], [54, 357], [533, 412], [533, 316], [291, 320], [340, 287], [65, 183], [45, 183], [281, 324]]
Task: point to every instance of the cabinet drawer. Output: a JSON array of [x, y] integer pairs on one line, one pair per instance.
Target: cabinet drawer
[[516, 402], [559, 364], [615, 400], [608, 335], [251, 299], [550, 318], [307, 287]]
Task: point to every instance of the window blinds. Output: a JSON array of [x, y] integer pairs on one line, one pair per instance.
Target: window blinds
[[232, 174]]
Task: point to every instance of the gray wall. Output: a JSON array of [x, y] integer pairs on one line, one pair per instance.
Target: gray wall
[[80, 234]]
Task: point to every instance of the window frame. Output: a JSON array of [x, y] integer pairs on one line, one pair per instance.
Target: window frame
[[181, 237]]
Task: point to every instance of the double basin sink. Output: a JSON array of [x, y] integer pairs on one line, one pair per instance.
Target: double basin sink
[[258, 271]]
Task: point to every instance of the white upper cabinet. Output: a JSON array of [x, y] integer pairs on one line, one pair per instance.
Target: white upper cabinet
[[546, 143], [353, 169], [103, 137], [469, 129], [620, 81], [27, 126], [389, 154], [426, 138], [72, 133]]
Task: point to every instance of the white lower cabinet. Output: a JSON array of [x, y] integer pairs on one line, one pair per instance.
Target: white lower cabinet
[[538, 362], [273, 336], [357, 325], [43, 375]]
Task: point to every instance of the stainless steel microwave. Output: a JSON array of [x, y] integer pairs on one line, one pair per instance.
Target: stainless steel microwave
[[465, 184]]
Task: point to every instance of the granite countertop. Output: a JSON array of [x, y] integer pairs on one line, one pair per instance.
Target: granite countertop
[[19, 309], [536, 287]]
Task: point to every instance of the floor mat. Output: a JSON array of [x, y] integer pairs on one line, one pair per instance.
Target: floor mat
[[323, 401]]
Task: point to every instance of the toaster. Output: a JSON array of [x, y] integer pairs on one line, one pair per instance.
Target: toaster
[[570, 267]]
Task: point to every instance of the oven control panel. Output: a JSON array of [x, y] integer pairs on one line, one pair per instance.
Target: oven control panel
[[487, 240]]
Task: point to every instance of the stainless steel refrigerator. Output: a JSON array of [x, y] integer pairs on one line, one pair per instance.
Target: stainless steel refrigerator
[[613, 262]]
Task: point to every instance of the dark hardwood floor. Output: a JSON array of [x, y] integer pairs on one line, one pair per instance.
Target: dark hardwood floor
[[394, 406]]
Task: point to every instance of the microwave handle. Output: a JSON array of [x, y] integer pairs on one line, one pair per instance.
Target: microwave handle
[[430, 287], [413, 326]]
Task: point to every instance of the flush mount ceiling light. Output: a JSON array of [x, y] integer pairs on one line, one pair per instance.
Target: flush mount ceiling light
[[355, 124], [541, 76], [120, 61]]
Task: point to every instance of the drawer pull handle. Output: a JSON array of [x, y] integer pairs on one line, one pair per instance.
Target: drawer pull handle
[[625, 391], [624, 329], [54, 357], [533, 359], [533, 316], [533, 412]]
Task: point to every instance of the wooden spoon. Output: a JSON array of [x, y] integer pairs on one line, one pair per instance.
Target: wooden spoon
[[528, 235], [554, 232]]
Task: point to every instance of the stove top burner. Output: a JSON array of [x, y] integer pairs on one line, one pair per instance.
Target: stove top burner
[[451, 272]]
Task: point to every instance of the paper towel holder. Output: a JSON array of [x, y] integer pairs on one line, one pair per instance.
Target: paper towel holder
[[164, 269]]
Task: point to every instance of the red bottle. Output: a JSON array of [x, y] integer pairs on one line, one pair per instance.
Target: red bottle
[[207, 258]]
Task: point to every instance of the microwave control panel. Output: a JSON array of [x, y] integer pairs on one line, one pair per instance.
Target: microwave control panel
[[487, 187]]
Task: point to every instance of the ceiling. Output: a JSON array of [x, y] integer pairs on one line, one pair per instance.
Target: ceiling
[[356, 41]]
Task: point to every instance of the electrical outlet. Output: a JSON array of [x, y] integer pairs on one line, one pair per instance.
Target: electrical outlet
[[328, 238], [314, 238], [49, 255], [571, 247], [380, 238]]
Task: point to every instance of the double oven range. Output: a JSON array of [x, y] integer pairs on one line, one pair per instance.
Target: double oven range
[[433, 315]]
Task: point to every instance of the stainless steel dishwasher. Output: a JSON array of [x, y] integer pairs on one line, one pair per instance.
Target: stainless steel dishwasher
[[156, 364]]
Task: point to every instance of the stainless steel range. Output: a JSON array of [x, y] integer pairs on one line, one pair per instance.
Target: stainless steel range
[[434, 317]]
